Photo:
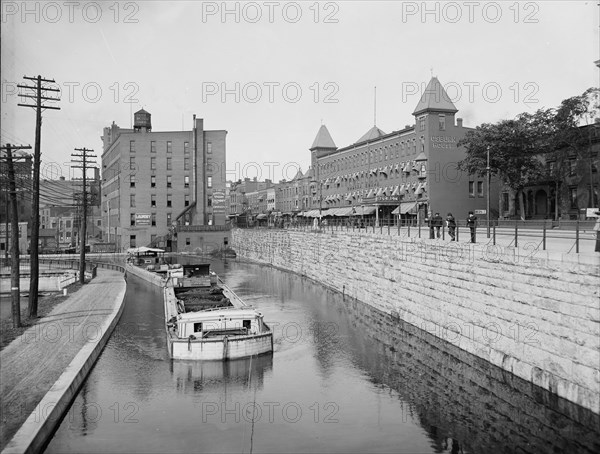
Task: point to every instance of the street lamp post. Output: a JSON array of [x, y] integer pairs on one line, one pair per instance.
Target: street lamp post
[[488, 192]]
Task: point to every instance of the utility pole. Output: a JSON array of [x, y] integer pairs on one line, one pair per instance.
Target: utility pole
[[15, 276], [38, 89], [487, 168], [81, 161]]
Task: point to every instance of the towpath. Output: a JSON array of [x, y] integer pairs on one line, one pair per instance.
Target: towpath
[[55, 350]]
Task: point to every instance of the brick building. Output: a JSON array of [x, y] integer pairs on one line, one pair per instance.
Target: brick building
[[408, 172], [155, 184]]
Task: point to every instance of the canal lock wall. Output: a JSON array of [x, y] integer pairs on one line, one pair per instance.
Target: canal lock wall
[[533, 313]]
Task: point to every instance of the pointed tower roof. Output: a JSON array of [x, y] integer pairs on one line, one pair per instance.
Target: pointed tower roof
[[323, 139], [142, 111], [435, 99], [373, 133], [299, 175]]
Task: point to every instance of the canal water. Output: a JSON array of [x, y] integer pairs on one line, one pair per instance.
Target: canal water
[[343, 378]]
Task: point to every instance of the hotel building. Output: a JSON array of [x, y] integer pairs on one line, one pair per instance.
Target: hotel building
[[409, 172]]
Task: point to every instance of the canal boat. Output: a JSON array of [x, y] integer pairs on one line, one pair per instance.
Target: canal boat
[[206, 320]]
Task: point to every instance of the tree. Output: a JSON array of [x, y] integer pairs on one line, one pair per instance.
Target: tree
[[514, 146], [573, 131]]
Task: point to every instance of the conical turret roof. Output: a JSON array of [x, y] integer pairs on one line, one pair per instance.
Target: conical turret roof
[[323, 139], [435, 99]]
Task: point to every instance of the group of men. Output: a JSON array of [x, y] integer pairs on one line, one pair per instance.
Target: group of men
[[436, 222]]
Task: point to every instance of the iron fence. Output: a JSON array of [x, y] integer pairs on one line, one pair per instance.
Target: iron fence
[[562, 236]]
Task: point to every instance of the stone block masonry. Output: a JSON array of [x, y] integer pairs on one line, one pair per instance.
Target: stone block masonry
[[533, 313]]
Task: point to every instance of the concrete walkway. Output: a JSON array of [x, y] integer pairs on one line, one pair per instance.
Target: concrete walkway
[[41, 370]]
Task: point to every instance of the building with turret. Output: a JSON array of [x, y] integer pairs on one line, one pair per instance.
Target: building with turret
[[409, 172]]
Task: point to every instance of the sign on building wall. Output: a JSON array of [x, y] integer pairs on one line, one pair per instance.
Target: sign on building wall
[[219, 204], [142, 219]]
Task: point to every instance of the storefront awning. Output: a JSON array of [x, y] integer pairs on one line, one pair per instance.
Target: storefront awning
[[261, 216], [405, 207], [363, 211]]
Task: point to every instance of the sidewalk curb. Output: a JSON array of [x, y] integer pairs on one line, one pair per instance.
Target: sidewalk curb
[[39, 427]]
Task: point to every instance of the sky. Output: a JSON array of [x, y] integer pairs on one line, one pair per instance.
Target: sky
[[270, 73]]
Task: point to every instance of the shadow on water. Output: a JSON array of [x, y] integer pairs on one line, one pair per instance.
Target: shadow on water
[[464, 403]]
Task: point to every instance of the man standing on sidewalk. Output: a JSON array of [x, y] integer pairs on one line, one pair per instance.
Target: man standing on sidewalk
[[472, 224], [437, 222], [597, 229], [451, 226]]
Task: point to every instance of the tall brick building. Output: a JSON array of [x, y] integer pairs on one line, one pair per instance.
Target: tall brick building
[[156, 183]]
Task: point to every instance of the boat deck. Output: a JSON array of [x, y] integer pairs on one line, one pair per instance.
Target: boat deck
[[202, 298]]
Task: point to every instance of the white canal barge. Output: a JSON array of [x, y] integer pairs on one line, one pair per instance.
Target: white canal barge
[[205, 320]]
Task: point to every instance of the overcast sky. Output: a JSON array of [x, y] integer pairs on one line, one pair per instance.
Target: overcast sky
[[270, 72]]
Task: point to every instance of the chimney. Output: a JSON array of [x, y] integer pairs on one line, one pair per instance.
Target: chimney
[[459, 123]]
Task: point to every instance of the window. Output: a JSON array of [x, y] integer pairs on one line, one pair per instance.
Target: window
[[572, 167], [153, 200], [480, 189], [168, 200], [153, 181], [594, 196], [186, 181], [573, 196], [186, 201], [209, 182], [169, 165], [99, 223], [186, 148], [442, 118], [169, 181], [153, 219], [504, 201], [132, 146], [186, 163], [187, 242], [132, 200], [132, 219], [168, 219], [169, 146], [132, 181], [132, 241], [68, 234], [209, 202], [422, 123], [152, 163], [68, 224], [152, 238], [132, 163], [152, 146], [208, 147], [471, 189]]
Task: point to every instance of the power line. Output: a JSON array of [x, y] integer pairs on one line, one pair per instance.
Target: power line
[[39, 91], [14, 243], [82, 162]]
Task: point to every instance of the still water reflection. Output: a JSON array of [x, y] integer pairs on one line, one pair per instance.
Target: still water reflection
[[343, 378]]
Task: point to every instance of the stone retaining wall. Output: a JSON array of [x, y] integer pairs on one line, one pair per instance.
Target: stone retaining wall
[[533, 313]]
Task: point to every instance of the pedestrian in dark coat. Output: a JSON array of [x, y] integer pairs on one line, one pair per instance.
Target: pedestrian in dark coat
[[437, 222], [597, 229], [451, 222], [429, 222], [472, 224]]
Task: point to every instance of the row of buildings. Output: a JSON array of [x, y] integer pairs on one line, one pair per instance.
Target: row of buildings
[[168, 189]]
